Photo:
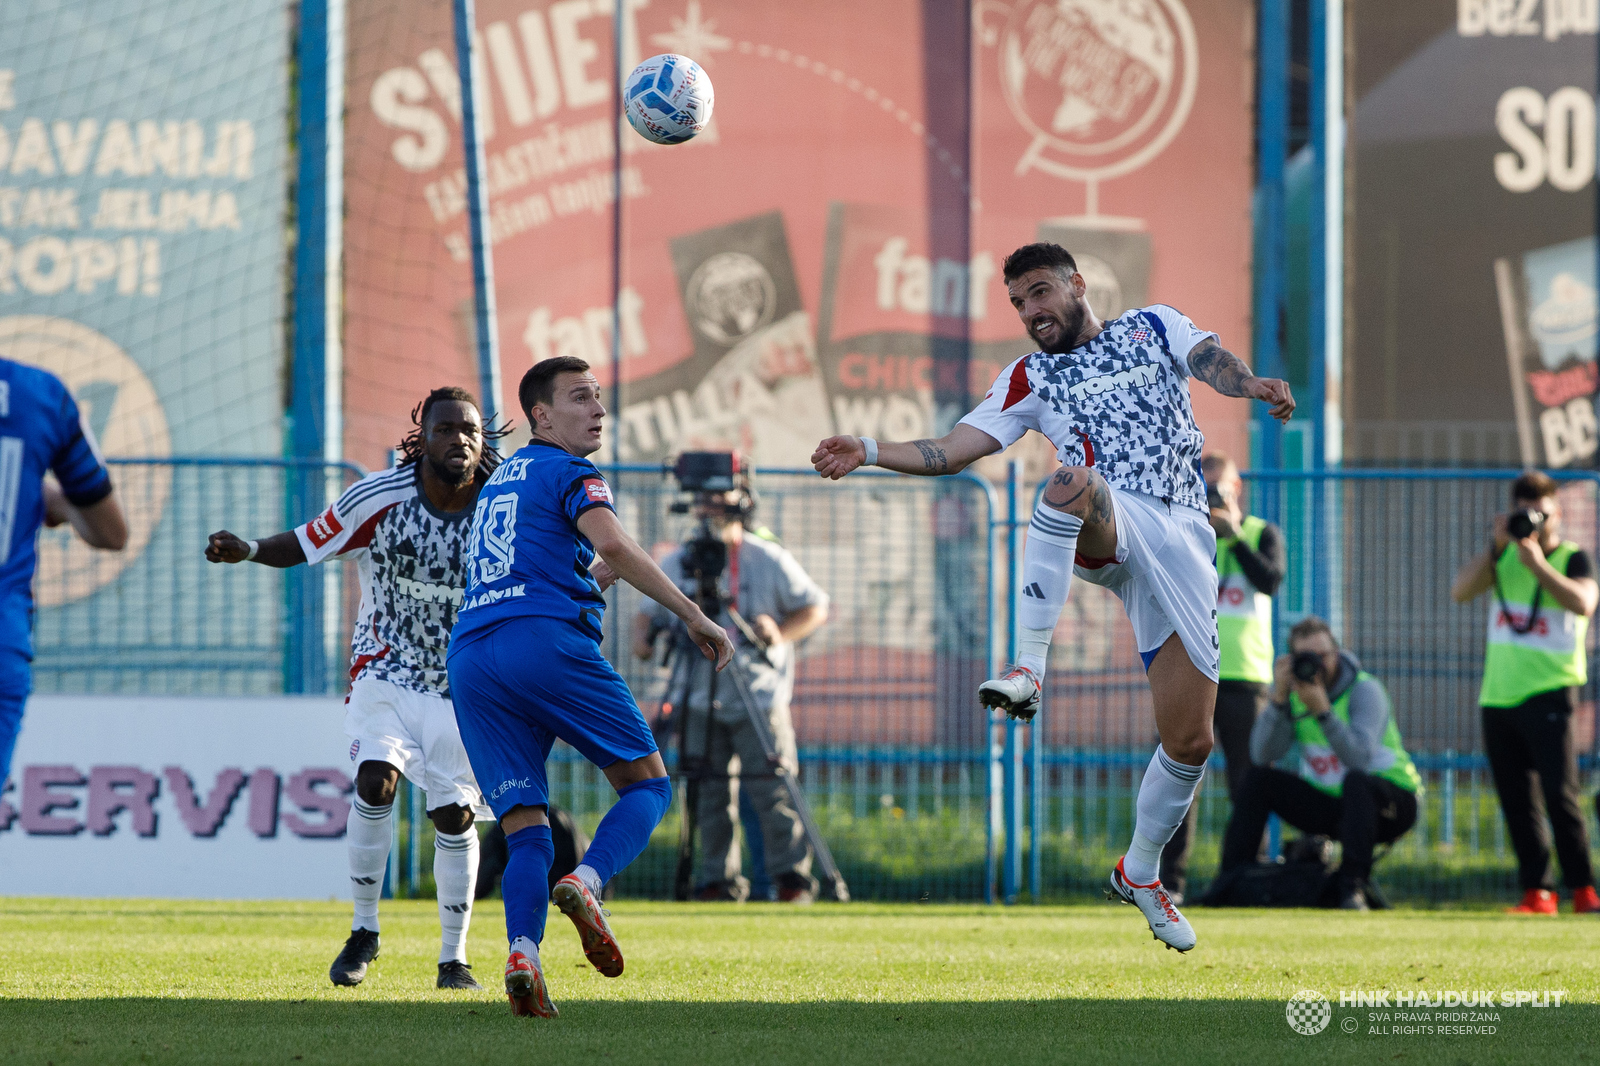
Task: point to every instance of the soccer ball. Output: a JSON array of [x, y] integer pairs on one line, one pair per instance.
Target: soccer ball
[[667, 98]]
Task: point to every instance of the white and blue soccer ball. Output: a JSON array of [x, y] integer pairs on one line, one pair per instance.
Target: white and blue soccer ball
[[668, 98]]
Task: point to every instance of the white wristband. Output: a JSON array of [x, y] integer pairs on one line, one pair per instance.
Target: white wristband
[[872, 451], [255, 546]]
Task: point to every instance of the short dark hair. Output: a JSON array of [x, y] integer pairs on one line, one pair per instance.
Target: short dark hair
[[1212, 462], [539, 383], [1310, 626], [1034, 256], [1533, 485]]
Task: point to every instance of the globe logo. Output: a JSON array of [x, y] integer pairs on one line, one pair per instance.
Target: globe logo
[[1103, 85], [731, 296], [1309, 1012]]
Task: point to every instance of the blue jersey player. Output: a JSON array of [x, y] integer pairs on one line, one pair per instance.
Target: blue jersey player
[[40, 432], [526, 668]]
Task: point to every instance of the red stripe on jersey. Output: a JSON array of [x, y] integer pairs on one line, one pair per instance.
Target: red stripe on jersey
[[1088, 446], [364, 661], [1019, 385], [362, 537]]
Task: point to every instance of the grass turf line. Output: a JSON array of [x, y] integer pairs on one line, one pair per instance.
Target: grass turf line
[[214, 982]]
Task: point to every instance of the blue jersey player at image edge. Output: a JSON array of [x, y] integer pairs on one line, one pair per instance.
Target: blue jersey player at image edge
[[41, 431]]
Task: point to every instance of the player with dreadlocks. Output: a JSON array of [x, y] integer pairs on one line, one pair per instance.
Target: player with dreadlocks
[[407, 530]]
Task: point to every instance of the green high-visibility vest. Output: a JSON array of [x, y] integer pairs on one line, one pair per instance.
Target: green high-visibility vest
[[1244, 612], [1550, 655], [1323, 768]]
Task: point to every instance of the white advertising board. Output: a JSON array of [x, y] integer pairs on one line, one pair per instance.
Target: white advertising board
[[242, 798]]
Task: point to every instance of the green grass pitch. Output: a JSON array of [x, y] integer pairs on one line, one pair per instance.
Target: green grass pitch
[[210, 982]]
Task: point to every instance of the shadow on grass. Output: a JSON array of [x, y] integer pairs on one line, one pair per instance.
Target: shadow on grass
[[593, 1032]]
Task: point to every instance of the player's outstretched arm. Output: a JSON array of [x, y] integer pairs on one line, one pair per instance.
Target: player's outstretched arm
[[633, 564], [1226, 372], [955, 451], [281, 550]]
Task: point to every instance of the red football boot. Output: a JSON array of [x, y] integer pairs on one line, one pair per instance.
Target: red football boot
[[1535, 901], [525, 989]]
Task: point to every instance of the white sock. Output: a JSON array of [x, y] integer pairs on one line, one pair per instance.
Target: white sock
[[528, 948], [1164, 796], [455, 873], [367, 840], [1046, 577], [586, 874]]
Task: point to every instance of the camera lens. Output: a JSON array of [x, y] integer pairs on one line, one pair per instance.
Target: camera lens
[[1524, 522], [1307, 665]]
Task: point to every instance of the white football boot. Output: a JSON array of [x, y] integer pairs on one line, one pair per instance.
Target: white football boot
[[1166, 924], [1017, 693]]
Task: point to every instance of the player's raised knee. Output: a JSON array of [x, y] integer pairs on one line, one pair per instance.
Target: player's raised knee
[[1190, 746], [376, 782], [1077, 490]]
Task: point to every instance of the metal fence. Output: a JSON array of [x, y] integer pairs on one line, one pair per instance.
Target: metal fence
[[918, 793], [158, 619]]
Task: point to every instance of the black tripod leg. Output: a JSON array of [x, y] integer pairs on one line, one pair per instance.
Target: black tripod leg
[[830, 869], [769, 747]]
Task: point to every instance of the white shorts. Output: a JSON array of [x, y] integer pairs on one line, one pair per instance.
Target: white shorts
[[417, 734], [1165, 574]]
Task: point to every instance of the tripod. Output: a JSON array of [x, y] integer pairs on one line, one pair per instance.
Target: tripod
[[705, 564]]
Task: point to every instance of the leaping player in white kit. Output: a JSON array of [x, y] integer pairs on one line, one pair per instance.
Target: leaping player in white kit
[[1128, 505]]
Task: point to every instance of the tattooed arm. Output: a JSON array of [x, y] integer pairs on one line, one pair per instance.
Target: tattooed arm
[[1222, 370], [955, 451]]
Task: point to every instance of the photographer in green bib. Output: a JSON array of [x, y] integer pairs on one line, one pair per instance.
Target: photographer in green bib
[[1353, 781], [1251, 562], [1544, 593]]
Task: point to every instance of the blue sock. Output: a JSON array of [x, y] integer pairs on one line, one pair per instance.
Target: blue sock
[[625, 830], [526, 882]]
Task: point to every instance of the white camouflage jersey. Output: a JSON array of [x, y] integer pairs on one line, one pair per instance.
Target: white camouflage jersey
[[413, 576], [1119, 404]]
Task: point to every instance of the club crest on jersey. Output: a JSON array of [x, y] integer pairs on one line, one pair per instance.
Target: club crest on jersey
[[323, 528], [1139, 336], [597, 489], [355, 747], [1135, 377]]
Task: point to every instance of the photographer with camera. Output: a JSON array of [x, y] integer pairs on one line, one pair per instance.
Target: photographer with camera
[[768, 603], [1544, 594], [1251, 562], [1354, 779]]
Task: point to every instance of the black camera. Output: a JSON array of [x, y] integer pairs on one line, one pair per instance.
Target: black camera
[[1215, 500], [1524, 522], [711, 476], [705, 557], [710, 472], [1306, 666]]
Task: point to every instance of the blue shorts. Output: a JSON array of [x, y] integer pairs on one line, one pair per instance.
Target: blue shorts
[[524, 684], [15, 680]]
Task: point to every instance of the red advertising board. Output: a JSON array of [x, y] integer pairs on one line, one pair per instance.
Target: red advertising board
[[820, 258]]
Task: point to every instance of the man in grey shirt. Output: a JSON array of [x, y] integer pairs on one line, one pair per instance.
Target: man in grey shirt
[[1353, 779], [775, 595]]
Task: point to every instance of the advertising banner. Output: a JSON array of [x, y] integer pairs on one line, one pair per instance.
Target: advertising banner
[[142, 247], [1473, 220], [826, 256], [225, 798]]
